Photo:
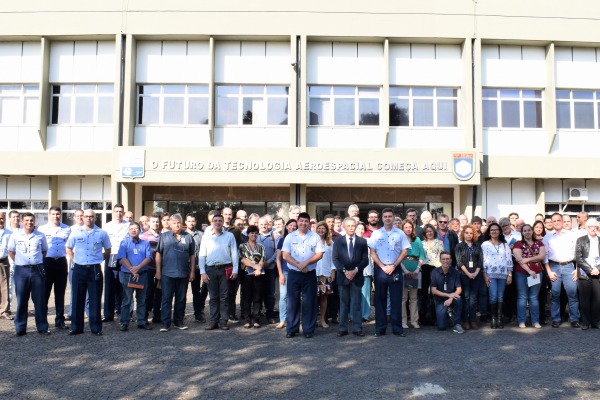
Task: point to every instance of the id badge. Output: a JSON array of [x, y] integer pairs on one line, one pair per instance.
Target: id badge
[[95, 247], [445, 286], [135, 251], [470, 265]]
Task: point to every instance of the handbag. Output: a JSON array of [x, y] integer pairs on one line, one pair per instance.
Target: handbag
[[134, 284]]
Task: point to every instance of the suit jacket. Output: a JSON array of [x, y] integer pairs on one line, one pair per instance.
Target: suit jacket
[[342, 260]]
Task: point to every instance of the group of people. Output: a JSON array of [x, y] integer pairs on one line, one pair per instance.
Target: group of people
[[448, 271]]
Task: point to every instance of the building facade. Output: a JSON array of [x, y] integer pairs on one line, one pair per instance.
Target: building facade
[[468, 107]]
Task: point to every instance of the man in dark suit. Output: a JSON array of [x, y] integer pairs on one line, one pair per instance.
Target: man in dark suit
[[350, 257]]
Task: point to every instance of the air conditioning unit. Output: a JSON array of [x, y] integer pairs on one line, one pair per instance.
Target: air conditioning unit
[[578, 194]]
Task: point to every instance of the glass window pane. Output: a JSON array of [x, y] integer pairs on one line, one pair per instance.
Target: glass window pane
[[106, 89], [532, 114], [10, 111], [532, 94], [509, 93], [11, 90], [85, 89], [399, 91], [224, 90], [319, 91], [584, 115], [399, 112], [197, 89], [174, 89], [423, 112], [277, 111], [248, 111], [32, 110], [583, 95], [71, 205], [31, 90], [422, 92], [105, 110], [227, 111], [63, 109], [446, 92], [562, 94], [563, 114], [368, 92], [173, 110], [511, 116], [20, 205], [198, 111], [368, 110], [490, 113], [320, 111], [149, 110], [94, 205], [344, 90], [447, 113], [278, 90], [84, 110], [40, 205], [489, 93], [344, 112], [150, 89], [253, 89]]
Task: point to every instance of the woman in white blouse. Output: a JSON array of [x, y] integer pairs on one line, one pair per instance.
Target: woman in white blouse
[[325, 272]]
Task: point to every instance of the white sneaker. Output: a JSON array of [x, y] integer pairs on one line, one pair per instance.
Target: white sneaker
[[404, 326], [416, 326], [458, 329], [522, 325]]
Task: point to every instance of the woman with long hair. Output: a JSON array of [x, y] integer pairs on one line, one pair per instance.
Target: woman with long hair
[[433, 247], [411, 266], [325, 271], [365, 306], [282, 269], [539, 231], [469, 260], [497, 267]]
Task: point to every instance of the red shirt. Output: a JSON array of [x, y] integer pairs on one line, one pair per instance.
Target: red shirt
[[528, 252]]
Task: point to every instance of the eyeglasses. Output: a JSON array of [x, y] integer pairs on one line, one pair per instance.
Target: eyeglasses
[[88, 216], [442, 222], [494, 230]]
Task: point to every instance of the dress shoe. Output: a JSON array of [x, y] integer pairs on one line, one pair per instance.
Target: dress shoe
[[595, 326], [97, 333], [68, 318], [466, 326], [271, 321], [45, 332], [107, 319], [223, 327], [555, 324], [378, 334], [21, 333], [335, 321], [366, 320], [585, 327], [61, 326], [474, 325], [73, 333], [341, 333], [400, 334], [123, 328], [212, 326], [146, 327], [308, 335], [200, 318], [359, 333], [575, 324], [290, 335]]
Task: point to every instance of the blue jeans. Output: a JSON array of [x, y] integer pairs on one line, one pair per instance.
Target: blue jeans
[[87, 280], [30, 280], [470, 296], [283, 299], [140, 298], [383, 282], [525, 293], [173, 287], [497, 290], [441, 313], [365, 304], [564, 277]]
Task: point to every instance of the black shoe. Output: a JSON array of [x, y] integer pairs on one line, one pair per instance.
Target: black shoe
[[335, 321], [62, 325], [595, 326], [585, 327], [290, 335], [366, 320], [271, 321], [73, 333], [212, 326], [359, 333], [342, 333], [233, 319], [400, 334], [97, 333], [308, 335], [105, 319], [201, 319], [555, 324], [575, 324], [378, 334], [68, 318], [180, 326], [21, 333], [146, 326], [222, 326], [156, 321], [123, 328], [45, 332]]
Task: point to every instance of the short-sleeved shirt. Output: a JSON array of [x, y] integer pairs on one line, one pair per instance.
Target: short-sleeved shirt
[[56, 236], [303, 248], [135, 252], [28, 248], [284, 266], [528, 252], [176, 254], [255, 256], [447, 283], [116, 233], [88, 246], [4, 236], [151, 238], [388, 245]]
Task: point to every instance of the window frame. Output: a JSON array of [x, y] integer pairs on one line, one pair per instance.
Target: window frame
[[186, 96], [96, 95], [357, 96], [21, 97], [595, 101], [239, 96], [521, 100], [435, 98]]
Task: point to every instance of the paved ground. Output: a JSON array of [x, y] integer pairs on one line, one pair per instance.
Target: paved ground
[[263, 364]]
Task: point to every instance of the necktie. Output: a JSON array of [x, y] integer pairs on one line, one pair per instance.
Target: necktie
[[351, 248]]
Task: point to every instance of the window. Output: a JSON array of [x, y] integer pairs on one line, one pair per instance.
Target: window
[[39, 208], [423, 107], [172, 105], [101, 208], [577, 109], [343, 106], [82, 104], [512, 108], [19, 105], [252, 105]]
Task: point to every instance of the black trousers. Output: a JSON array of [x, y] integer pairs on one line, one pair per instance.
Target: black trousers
[[218, 289], [57, 275], [233, 285], [253, 293], [199, 294], [589, 301]]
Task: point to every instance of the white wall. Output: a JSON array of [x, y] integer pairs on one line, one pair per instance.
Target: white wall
[[426, 65], [333, 63], [158, 136], [91, 188], [21, 62], [515, 142], [257, 137], [569, 143], [345, 137], [504, 197], [80, 138], [82, 62], [24, 188], [577, 68], [426, 138], [172, 62], [20, 138], [513, 66], [253, 62]]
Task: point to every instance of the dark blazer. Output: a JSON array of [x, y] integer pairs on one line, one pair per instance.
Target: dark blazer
[[582, 250], [342, 261]]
